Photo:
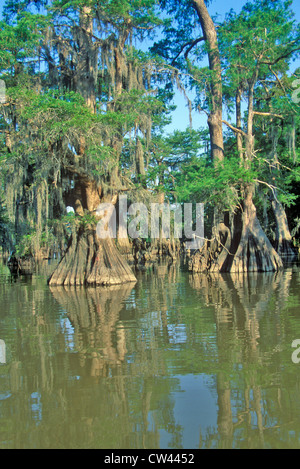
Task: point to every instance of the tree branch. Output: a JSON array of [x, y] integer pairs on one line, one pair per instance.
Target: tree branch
[[191, 44], [278, 79], [235, 129], [194, 43], [273, 188], [281, 57], [270, 114]]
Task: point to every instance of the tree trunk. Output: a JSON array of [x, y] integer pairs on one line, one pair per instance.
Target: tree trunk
[[254, 252], [212, 257], [87, 61], [283, 242], [215, 117], [249, 250], [238, 111], [90, 260]]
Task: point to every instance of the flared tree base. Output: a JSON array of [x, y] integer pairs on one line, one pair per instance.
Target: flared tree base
[[255, 254], [286, 250], [246, 250], [213, 255], [91, 261]]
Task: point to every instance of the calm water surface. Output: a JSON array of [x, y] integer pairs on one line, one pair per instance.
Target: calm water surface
[[174, 361]]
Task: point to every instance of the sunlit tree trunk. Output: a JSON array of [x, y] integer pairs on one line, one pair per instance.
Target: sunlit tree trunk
[[254, 251], [202, 259], [283, 241], [215, 115], [88, 259]]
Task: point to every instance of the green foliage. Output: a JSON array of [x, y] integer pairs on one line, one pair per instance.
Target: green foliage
[[218, 185], [170, 154], [6, 229], [33, 243], [21, 41], [139, 13], [88, 219], [56, 137]]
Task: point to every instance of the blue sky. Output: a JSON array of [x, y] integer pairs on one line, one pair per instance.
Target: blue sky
[[219, 7]]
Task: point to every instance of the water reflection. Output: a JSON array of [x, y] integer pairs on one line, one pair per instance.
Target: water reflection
[[99, 334], [118, 358], [176, 360], [2, 351], [253, 397]]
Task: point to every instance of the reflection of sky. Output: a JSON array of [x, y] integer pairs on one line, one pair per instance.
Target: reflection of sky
[[36, 406], [2, 351], [177, 333], [68, 331], [195, 411]]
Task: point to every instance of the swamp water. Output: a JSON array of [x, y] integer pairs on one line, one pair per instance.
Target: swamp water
[[174, 361]]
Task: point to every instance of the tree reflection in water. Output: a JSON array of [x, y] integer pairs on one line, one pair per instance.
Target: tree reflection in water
[[113, 352], [250, 336], [99, 336]]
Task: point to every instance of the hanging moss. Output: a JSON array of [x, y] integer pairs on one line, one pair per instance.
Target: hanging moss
[[139, 156]]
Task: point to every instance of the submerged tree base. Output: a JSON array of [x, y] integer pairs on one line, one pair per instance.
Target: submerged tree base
[[245, 248], [255, 254], [283, 244], [91, 261], [21, 265], [212, 256], [286, 250]]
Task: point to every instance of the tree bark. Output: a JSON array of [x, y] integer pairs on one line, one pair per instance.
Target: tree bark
[[246, 248], [283, 242], [212, 257], [90, 260], [215, 116], [87, 61], [254, 252], [239, 137]]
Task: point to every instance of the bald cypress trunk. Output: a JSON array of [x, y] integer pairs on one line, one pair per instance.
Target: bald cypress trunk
[[90, 260], [283, 241], [215, 115], [254, 252], [87, 59], [206, 259], [245, 247]]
